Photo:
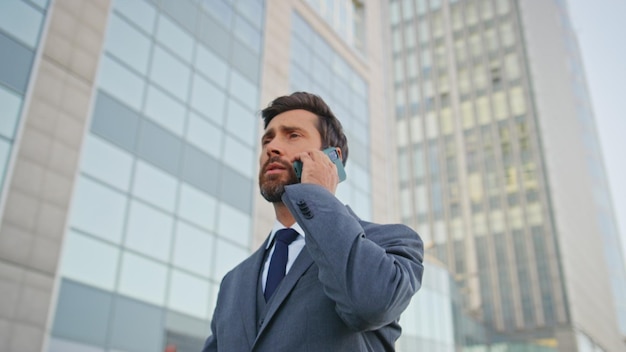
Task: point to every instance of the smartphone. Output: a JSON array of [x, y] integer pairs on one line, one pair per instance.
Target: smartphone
[[334, 157]]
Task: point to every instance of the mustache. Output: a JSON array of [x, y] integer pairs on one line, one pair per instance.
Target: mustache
[[276, 159]]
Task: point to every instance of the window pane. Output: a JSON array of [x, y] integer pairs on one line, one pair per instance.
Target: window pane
[[193, 249], [204, 135], [90, 261], [155, 186], [149, 231], [141, 12], [21, 20], [245, 91], [103, 218], [175, 38], [211, 65], [242, 123], [143, 279], [189, 294], [121, 83], [170, 73], [128, 44], [230, 219], [165, 110], [208, 99], [10, 104], [106, 162], [197, 207], [239, 156]]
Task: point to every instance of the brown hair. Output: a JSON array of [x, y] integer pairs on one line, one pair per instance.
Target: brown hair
[[328, 125]]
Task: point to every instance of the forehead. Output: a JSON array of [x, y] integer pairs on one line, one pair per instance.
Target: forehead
[[299, 118]]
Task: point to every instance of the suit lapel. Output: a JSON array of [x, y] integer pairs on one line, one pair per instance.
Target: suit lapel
[[248, 295], [300, 266]]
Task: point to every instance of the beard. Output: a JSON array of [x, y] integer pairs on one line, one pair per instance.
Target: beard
[[273, 186]]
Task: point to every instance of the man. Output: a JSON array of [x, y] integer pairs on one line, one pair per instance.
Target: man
[[347, 280]]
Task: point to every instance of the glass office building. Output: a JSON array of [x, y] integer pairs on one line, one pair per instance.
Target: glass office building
[[128, 158], [499, 165]]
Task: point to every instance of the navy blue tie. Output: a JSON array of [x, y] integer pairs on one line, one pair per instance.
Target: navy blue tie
[[278, 263]]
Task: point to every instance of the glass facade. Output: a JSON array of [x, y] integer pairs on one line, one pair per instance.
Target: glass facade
[[428, 324], [162, 205], [21, 24], [316, 67], [471, 174]]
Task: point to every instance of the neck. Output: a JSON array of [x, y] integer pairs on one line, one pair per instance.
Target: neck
[[283, 214]]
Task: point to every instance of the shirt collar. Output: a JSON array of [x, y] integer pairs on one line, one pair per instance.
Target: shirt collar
[[279, 226]]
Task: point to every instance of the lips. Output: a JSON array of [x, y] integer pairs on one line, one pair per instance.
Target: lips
[[274, 168], [275, 165]]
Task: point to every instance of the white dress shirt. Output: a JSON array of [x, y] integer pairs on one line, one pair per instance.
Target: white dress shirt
[[294, 248]]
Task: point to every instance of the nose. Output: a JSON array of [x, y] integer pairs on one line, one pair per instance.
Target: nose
[[274, 147]]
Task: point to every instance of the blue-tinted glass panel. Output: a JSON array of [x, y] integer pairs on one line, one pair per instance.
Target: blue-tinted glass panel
[[214, 35], [165, 110], [175, 38], [232, 218], [244, 90], [106, 162], [208, 99], [204, 135], [128, 44], [211, 65], [184, 12], [16, 63], [170, 73], [140, 12], [193, 249], [21, 20], [242, 123], [10, 106], [155, 186], [5, 150], [89, 261], [247, 34], [115, 122], [136, 326], [189, 294], [104, 218], [143, 279], [159, 146], [197, 207], [149, 231], [121, 83], [200, 170], [245, 61], [82, 313]]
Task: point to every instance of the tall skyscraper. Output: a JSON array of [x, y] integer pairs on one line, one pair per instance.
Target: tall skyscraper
[[500, 168], [128, 159]]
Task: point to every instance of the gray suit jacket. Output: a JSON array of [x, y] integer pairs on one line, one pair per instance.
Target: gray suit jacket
[[345, 291]]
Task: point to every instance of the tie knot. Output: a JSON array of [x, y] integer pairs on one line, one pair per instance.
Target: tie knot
[[286, 236]]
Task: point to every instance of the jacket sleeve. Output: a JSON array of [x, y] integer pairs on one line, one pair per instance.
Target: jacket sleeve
[[210, 345], [370, 271]]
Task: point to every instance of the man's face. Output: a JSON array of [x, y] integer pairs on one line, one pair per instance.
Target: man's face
[[287, 135]]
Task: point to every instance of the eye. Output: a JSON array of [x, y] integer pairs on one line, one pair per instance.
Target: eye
[[294, 135]]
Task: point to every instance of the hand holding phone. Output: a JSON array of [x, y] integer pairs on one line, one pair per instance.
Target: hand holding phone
[[332, 153]]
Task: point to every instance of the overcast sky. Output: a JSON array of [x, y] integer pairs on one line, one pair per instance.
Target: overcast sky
[[600, 26]]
